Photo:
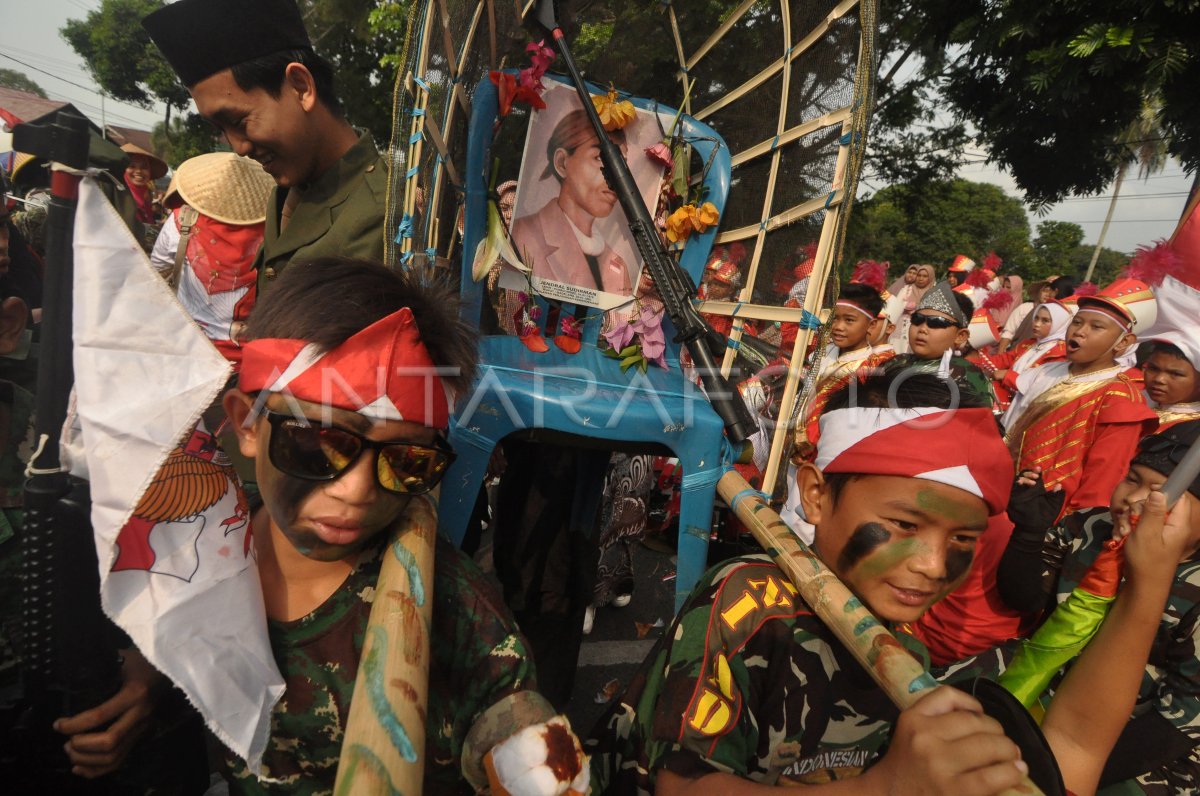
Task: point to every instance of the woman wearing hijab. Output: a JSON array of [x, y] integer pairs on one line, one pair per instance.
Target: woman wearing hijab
[[910, 293], [1016, 327], [1047, 344]]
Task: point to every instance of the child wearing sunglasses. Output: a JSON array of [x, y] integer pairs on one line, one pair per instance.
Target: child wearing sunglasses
[[342, 401], [1158, 752]]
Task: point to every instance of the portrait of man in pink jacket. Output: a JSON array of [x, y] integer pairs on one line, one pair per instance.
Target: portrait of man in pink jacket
[[561, 241]]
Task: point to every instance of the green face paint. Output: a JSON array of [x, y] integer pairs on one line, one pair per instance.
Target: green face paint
[[887, 556], [933, 501]]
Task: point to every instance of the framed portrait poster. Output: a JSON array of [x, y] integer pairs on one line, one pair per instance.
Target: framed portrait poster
[[568, 226]]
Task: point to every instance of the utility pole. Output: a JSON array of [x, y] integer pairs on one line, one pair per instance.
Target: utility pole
[[1107, 220]]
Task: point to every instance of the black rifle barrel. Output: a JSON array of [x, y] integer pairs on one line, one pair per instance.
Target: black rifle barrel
[[69, 662], [691, 328]]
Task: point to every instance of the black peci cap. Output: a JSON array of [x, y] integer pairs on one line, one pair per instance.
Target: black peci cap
[[201, 37]]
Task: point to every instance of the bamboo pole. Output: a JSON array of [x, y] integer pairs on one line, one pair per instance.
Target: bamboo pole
[[896, 671], [383, 750]]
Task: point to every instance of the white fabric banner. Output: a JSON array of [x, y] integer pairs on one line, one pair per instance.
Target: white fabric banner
[[171, 524]]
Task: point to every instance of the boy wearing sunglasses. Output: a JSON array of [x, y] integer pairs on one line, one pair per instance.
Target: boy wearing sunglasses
[[342, 401]]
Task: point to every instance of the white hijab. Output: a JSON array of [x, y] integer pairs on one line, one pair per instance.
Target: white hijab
[[1060, 318]]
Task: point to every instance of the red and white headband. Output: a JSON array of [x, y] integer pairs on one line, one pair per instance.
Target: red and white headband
[[383, 372], [853, 306], [957, 447]]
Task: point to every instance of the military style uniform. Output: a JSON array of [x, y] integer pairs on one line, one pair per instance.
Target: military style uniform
[[1171, 682], [750, 682], [479, 672], [339, 213]]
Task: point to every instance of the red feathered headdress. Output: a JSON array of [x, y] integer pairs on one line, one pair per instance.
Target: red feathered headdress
[[992, 262], [1086, 289], [1151, 263], [998, 300], [980, 277], [870, 273]]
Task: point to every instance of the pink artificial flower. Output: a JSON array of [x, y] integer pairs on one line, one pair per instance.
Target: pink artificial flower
[[620, 335], [660, 153], [540, 56], [535, 313], [654, 342], [570, 327]]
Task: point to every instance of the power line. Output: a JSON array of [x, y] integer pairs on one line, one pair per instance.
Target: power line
[[69, 82], [1128, 221]]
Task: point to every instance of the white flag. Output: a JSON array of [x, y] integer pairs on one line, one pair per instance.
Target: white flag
[[171, 524]]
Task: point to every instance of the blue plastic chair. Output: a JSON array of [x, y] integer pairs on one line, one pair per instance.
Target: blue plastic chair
[[585, 396]]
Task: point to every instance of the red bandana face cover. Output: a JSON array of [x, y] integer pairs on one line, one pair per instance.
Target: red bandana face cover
[[383, 372], [958, 447]]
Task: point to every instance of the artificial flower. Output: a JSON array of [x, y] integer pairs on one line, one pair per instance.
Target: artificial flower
[[620, 335], [614, 113], [679, 223], [535, 312], [706, 215], [540, 56], [654, 342], [512, 92], [660, 153], [570, 327]]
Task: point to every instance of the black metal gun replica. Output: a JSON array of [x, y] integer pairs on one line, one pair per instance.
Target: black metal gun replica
[[69, 648], [675, 287]]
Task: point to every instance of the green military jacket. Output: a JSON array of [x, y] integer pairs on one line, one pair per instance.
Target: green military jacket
[[341, 213]]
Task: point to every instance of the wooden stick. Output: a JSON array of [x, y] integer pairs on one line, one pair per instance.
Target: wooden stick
[[896, 671], [383, 750]]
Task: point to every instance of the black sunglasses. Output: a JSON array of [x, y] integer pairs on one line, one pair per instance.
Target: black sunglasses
[[307, 450], [934, 321]]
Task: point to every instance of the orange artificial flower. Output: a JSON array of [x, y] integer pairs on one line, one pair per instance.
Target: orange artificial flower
[[614, 113], [679, 223], [706, 216], [689, 218]]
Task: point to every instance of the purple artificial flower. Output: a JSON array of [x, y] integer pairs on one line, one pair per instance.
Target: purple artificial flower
[[620, 335]]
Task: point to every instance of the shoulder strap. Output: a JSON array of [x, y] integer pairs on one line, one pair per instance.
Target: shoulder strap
[[187, 218]]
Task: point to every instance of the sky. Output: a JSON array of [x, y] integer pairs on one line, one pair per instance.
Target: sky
[[1146, 211]]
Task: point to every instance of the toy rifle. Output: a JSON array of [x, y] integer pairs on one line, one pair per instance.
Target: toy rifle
[[896, 671], [675, 287], [69, 661]]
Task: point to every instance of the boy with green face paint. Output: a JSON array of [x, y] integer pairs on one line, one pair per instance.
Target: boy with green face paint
[[748, 688]]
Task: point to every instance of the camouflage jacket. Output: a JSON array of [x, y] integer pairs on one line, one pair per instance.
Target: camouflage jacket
[[1171, 683], [479, 662], [748, 681]]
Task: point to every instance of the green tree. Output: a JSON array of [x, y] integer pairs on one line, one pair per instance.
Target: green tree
[[185, 138], [126, 64], [1054, 249], [1047, 87], [11, 78], [120, 56], [905, 225]]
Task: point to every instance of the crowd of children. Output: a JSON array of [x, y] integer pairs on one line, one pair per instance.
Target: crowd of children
[[984, 473]]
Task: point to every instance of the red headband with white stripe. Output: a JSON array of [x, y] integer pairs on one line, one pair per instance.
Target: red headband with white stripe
[[383, 372], [957, 447]]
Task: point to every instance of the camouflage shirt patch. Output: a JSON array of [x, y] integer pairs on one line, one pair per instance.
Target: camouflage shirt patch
[[479, 657], [1171, 683], [747, 681]]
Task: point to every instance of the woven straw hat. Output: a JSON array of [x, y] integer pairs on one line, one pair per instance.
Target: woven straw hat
[[225, 187]]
